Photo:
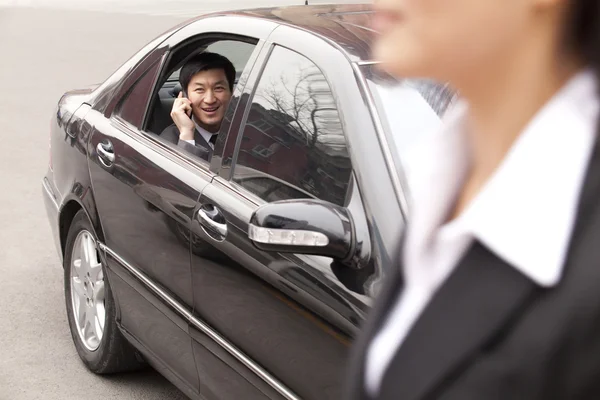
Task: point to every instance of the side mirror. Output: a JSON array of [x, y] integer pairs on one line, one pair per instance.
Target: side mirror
[[303, 226]]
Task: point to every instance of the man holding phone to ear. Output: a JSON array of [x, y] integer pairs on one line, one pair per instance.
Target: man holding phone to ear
[[206, 86]]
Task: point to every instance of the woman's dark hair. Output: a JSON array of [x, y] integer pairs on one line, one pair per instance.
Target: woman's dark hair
[[583, 31], [204, 62]]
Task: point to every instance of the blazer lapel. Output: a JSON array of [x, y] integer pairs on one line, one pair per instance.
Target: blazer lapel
[[588, 200], [469, 311]]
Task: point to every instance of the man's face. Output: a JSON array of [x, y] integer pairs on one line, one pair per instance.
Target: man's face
[[210, 94]]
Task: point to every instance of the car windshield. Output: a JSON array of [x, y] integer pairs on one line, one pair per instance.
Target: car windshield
[[409, 109]]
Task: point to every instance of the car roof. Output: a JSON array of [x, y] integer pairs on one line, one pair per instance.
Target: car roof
[[348, 25]]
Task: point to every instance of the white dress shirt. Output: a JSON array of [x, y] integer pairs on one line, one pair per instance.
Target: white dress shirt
[[205, 134], [524, 214]]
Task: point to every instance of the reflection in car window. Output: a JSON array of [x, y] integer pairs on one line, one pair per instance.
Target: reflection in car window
[[293, 145]]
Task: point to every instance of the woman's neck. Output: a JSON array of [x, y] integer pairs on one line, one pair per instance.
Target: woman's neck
[[502, 102], [497, 118]]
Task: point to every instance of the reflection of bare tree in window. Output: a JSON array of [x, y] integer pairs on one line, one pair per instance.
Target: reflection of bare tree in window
[[293, 133], [305, 103]]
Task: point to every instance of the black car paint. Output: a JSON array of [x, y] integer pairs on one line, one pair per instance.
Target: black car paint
[[291, 317]]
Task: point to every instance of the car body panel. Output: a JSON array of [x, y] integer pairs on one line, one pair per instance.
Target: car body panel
[[67, 185], [142, 205]]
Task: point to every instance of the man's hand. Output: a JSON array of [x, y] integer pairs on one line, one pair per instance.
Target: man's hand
[[181, 112]]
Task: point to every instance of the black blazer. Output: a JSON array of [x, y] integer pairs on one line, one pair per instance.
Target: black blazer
[[202, 149], [491, 333]]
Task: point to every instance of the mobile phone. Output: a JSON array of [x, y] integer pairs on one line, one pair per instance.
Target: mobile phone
[[189, 113]]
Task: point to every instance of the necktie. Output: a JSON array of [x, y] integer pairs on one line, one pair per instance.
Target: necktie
[[213, 139]]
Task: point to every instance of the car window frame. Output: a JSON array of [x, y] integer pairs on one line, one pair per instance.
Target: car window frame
[[163, 74], [222, 25], [202, 40], [228, 26]]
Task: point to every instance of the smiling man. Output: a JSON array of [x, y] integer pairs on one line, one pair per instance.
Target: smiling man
[[207, 83]]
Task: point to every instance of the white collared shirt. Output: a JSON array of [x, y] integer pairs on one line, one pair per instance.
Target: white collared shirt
[[524, 213], [205, 134]]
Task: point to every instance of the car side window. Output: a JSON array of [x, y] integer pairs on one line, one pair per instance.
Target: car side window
[[293, 144], [132, 106], [238, 52]]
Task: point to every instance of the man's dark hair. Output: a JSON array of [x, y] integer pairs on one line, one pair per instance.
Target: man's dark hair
[[204, 62]]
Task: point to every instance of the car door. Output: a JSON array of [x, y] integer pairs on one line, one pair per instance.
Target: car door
[[146, 191], [282, 322], [145, 195]]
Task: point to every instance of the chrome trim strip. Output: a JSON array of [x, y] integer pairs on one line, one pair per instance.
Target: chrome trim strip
[[289, 237], [397, 181], [372, 62], [202, 326], [49, 192]]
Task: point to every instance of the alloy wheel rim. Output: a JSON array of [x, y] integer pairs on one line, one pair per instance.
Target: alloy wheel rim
[[87, 291]]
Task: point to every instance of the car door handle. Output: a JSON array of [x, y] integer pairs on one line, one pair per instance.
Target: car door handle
[[106, 153], [208, 218]]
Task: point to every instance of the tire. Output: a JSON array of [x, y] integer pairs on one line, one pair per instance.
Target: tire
[[103, 350]]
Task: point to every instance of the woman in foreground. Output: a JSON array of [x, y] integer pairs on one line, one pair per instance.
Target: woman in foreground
[[497, 292]]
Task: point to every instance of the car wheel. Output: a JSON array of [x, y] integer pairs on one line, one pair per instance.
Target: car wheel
[[90, 305]]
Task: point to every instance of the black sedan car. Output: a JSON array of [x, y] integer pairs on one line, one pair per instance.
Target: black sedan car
[[246, 276]]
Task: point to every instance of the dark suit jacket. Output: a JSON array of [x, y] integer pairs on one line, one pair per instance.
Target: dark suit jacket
[[202, 149], [491, 333]]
